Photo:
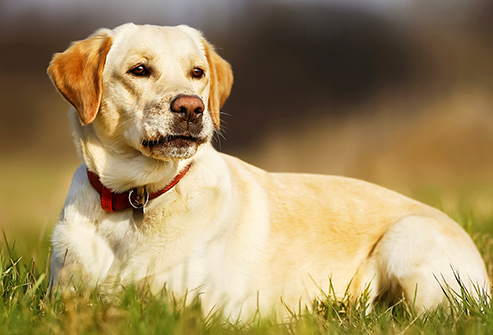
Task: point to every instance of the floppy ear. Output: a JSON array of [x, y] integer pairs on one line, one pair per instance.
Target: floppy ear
[[77, 73], [221, 80]]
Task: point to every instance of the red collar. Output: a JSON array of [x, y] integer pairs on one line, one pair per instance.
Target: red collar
[[112, 201]]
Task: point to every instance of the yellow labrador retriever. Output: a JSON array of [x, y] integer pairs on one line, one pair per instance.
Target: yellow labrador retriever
[[154, 202]]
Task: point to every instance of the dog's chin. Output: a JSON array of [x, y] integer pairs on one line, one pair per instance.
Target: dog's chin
[[171, 147]]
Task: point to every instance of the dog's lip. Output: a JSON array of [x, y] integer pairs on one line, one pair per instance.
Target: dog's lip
[[163, 140]]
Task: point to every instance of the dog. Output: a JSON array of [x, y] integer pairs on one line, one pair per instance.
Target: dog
[[153, 202]]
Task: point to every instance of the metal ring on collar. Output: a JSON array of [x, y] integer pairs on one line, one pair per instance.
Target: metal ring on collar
[[140, 205]]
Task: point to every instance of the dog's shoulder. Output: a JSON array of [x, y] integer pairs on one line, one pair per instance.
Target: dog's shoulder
[[81, 198]]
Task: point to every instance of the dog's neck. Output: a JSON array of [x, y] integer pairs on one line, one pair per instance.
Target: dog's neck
[[122, 170]]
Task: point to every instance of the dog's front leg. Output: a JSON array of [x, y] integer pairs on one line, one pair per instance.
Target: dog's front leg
[[80, 256]]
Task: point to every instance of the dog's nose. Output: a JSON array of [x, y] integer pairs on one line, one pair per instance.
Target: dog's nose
[[189, 107]]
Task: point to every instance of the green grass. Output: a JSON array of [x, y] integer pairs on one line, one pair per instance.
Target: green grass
[[26, 306]]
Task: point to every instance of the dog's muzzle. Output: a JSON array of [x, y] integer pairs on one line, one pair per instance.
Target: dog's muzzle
[[184, 133]]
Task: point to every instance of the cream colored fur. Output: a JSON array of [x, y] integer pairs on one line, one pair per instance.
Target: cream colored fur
[[239, 236]]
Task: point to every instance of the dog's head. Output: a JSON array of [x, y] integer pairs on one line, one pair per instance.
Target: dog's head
[[157, 90]]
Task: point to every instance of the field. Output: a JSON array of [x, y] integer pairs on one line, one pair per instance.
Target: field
[[27, 307], [399, 95]]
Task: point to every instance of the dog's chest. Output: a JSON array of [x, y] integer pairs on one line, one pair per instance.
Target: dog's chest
[[160, 250]]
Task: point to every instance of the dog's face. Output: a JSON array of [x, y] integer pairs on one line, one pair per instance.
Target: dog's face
[[153, 90]]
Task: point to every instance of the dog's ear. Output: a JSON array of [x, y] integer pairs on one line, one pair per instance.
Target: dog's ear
[[221, 80], [77, 73]]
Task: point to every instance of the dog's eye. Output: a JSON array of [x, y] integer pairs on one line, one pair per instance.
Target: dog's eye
[[197, 73], [140, 71]]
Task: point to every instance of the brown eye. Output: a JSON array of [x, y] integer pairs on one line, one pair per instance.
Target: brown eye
[[140, 71], [198, 73]]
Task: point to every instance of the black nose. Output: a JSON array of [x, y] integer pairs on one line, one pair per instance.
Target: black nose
[[188, 107]]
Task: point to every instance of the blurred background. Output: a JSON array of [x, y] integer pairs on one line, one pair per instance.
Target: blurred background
[[396, 92]]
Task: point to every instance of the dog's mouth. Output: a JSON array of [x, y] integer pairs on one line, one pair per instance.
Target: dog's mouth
[[171, 146], [179, 141]]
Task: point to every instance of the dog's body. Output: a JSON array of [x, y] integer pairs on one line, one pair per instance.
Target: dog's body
[[147, 100]]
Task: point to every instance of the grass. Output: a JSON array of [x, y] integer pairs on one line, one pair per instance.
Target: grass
[[26, 306]]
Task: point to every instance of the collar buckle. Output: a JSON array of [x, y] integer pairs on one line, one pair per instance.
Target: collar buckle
[[136, 200]]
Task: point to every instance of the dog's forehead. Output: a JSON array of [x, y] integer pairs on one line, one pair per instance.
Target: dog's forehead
[[131, 39]]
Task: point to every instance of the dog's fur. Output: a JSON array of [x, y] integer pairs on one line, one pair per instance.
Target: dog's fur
[[239, 236]]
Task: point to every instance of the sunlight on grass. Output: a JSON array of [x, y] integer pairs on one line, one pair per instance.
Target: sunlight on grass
[[31, 198], [27, 307]]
